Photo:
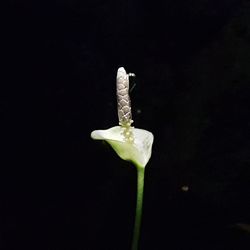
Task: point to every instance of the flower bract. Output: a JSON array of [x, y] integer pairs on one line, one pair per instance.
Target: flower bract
[[131, 144]]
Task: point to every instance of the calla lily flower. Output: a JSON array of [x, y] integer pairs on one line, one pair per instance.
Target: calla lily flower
[[131, 144]]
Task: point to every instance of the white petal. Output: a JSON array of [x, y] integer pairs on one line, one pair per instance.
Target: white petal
[[114, 133], [138, 151]]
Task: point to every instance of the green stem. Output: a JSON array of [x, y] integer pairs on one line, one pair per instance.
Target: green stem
[[138, 214]]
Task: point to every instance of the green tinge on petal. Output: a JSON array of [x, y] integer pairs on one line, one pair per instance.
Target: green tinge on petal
[[138, 151]]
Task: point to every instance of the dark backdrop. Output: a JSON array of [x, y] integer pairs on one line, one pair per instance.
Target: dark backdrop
[[61, 190]]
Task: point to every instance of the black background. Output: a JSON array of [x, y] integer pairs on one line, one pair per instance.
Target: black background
[[60, 189]]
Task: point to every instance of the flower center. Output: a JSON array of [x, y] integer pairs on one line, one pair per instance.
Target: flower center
[[128, 132]]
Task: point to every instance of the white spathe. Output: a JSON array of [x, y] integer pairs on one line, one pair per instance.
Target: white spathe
[[139, 151]]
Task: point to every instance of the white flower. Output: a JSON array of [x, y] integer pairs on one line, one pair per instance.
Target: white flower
[[131, 144]]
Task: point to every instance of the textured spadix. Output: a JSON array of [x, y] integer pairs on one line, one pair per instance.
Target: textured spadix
[[123, 99]]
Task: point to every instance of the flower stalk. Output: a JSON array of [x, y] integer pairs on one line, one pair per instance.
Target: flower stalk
[[139, 203]]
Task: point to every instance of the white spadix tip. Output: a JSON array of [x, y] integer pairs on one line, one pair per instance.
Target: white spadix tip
[[121, 69]]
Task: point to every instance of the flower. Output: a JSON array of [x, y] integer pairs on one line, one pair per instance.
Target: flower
[[131, 144]]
